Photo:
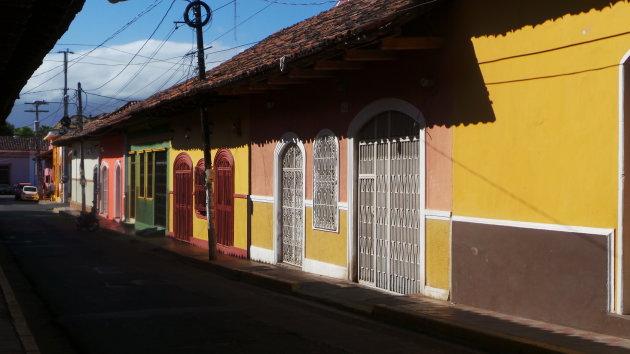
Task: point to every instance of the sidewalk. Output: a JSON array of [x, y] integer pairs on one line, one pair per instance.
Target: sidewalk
[[482, 329], [15, 335]]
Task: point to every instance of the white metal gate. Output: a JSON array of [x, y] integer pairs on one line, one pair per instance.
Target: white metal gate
[[292, 197], [389, 203], [104, 190]]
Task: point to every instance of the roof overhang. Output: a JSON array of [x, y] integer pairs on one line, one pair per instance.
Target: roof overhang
[[28, 31]]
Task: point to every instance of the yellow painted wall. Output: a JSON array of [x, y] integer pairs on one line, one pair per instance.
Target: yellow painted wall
[[550, 155], [438, 253], [262, 225], [241, 173], [199, 225], [240, 223], [325, 246]]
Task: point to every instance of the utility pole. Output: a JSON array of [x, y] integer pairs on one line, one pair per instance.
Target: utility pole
[[81, 165], [36, 123], [65, 80], [64, 173], [206, 130]]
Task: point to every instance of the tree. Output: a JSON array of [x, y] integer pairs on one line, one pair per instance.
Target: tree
[[43, 131], [7, 129], [24, 131]]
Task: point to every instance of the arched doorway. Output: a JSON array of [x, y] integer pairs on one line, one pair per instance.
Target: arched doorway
[[183, 182], [104, 190], [291, 204], [387, 196], [117, 191], [224, 197]]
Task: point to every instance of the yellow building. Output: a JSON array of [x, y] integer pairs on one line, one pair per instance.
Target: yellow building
[[464, 150]]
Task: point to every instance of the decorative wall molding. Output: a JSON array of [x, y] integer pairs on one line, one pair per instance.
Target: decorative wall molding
[[326, 269], [263, 255], [438, 214], [538, 226], [440, 294], [261, 198]]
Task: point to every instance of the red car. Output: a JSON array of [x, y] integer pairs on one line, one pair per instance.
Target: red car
[[17, 189]]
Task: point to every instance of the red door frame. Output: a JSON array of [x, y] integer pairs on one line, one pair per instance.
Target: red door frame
[[182, 199], [223, 198]]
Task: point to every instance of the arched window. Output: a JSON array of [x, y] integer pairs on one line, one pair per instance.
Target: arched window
[[200, 189], [325, 181]]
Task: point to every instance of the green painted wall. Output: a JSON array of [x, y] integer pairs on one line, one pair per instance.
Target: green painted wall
[[145, 217]]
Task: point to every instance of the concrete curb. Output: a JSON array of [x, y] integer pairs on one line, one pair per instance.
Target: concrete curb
[[19, 322], [432, 325], [483, 338], [386, 314]]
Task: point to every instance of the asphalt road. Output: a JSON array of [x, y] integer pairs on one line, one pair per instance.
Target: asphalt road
[[101, 293]]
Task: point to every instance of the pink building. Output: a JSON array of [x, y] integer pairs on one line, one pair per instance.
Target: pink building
[[111, 178]]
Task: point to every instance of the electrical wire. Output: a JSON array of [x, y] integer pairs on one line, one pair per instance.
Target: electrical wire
[[242, 22], [300, 3], [119, 31], [142, 47]]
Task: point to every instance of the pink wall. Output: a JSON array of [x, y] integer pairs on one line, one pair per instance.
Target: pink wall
[[112, 153], [333, 104]]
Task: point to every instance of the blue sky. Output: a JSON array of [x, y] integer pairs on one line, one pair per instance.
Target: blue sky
[[145, 58]]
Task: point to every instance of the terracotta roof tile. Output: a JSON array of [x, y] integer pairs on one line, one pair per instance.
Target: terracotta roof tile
[[341, 24], [96, 124], [10, 143]]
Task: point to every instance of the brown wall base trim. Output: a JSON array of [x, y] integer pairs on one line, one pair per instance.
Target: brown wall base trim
[[552, 276]]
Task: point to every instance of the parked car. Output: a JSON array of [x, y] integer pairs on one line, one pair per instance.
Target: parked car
[[17, 189], [6, 189], [29, 193]]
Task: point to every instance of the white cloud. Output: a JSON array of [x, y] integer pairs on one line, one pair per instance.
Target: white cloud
[[147, 74]]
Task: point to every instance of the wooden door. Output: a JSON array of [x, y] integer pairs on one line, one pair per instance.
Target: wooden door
[[224, 198], [182, 215]]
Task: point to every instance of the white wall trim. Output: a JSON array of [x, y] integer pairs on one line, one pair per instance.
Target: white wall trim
[[536, 226], [619, 305], [260, 254], [440, 294], [365, 115], [438, 214], [326, 269], [261, 198]]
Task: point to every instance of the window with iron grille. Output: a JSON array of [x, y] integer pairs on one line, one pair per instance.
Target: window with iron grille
[[325, 182], [200, 189]]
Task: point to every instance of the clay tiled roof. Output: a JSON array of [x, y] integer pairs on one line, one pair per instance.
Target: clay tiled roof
[[312, 36], [99, 123], [335, 28], [10, 143], [28, 30]]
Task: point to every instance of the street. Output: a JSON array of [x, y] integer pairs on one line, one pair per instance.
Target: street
[[102, 293]]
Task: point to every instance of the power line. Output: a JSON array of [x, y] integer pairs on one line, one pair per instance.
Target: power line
[[242, 22], [120, 30], [103, 96], [142, 47], [301, 3]]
